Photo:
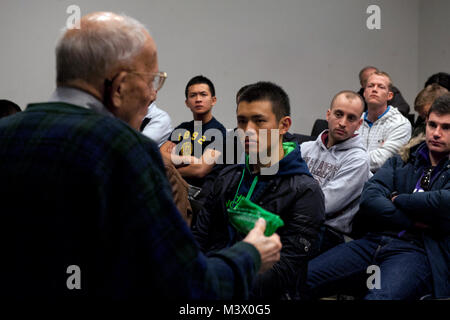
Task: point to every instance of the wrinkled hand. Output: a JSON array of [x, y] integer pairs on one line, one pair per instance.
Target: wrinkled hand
[[268, 247]]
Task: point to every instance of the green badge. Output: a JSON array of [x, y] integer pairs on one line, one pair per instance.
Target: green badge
[[244, 215]]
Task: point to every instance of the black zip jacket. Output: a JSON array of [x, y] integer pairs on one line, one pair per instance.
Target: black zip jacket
[[292, 194]]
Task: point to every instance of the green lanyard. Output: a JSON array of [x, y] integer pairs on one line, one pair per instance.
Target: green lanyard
[[250, 191]]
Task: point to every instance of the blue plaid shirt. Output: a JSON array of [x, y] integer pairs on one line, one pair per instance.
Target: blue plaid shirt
[[80, 187]]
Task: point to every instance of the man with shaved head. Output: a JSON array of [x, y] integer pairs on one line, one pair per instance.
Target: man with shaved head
[[339, 161], [86, 207]]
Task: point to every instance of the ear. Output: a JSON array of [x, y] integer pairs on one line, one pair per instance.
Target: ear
[[214, 100], [284, 124], [116, 92], [359, 124], [364, 93], [390, 95], [328, 114]]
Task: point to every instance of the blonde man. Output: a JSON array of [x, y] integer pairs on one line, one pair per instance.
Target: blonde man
[[384, 129]]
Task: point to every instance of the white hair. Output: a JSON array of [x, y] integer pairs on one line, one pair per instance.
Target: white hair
[[91, 53]]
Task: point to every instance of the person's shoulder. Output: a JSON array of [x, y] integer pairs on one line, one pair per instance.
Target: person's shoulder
[[395, 116], [394, 163], [307, 145], [70, 115], [217, 124], [357, 159], [212, 126], [306, 187], [85, 126], [132, 148], [123, 132], [302, 182], [185, 125], [156, 112], [165, 117], [55, 108], [228, 176], [354, 147], [230, 170], [305, 179], [357, 154], [311, 147]]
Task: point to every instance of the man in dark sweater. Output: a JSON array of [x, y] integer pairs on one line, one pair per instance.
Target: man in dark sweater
[[86, 207]]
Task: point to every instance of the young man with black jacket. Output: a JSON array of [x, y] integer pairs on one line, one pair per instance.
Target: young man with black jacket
[[275, 178]]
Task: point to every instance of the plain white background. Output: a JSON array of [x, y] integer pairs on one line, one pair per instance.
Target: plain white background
[[312, 48]]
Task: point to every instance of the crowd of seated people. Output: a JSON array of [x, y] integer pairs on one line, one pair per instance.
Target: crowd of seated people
[[370, 190], [365, 203]]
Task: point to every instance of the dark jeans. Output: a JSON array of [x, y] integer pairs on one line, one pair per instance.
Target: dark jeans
[[328, 238], [404, 270]]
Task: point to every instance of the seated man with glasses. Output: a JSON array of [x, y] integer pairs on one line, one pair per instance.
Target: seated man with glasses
[[405, 218]]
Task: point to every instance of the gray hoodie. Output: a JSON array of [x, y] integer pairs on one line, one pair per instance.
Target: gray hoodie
[[341, 172]]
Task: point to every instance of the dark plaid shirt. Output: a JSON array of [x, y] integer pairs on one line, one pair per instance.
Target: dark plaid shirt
[[78, 188]]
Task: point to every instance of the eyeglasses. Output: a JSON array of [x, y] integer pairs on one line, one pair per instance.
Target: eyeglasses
[[158, 78], [426, 179]]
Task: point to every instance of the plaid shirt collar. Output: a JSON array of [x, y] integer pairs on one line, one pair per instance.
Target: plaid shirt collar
[[79, 98]]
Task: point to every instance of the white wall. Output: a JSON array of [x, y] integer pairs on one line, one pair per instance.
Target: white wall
[[434, 38], [313, 48]]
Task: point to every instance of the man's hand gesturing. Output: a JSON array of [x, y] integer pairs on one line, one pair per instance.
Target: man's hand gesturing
[[268, 247]]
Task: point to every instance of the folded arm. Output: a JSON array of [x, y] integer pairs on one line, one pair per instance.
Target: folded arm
[[431, 208], [376, 205], [397, 138]]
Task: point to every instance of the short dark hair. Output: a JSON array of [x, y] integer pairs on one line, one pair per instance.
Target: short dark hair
[[267, 91], [242, 89], [441, 105], [441, 78], [8, 108], [200, 80]]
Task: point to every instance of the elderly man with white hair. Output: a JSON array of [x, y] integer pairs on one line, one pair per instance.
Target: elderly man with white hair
[[86, 207]]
